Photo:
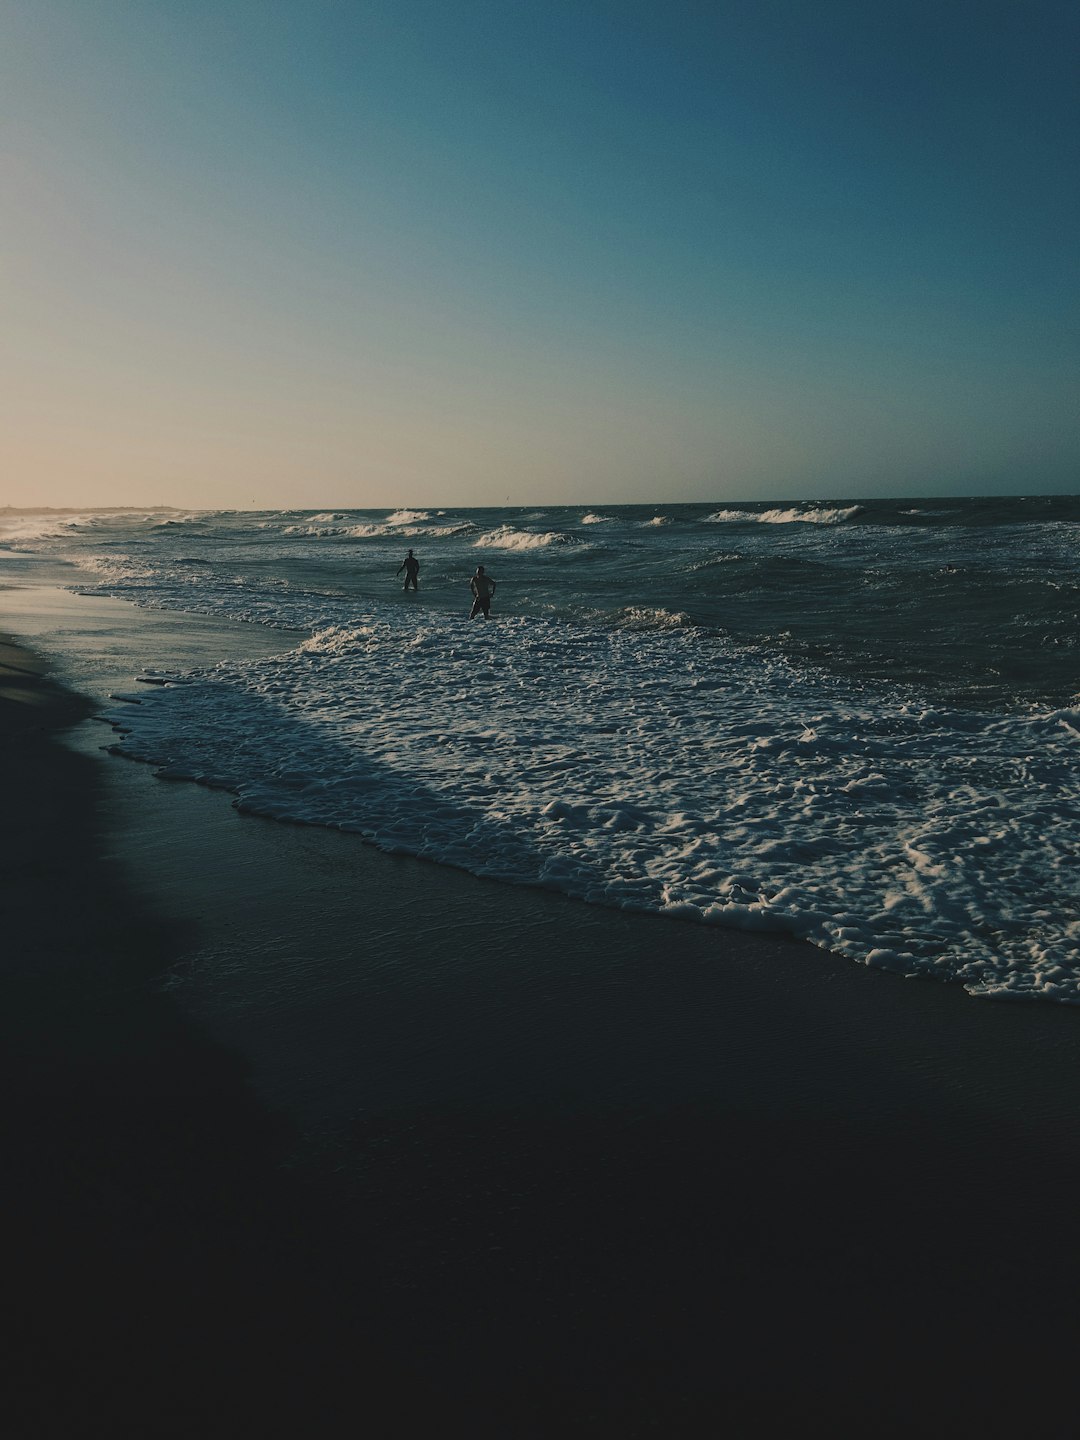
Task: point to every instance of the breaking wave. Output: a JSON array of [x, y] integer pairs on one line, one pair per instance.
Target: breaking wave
[[408, 517], [793, 516], [507, 538]]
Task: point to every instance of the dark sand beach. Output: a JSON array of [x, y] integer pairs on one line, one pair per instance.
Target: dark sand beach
[[303, 1138]]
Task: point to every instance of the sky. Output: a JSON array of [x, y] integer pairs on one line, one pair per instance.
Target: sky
[[288, 253]]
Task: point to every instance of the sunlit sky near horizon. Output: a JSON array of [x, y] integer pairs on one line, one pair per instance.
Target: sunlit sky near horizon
[[314, 252]]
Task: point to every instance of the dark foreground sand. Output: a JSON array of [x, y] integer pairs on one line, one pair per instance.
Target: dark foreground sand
[[393, 1151]]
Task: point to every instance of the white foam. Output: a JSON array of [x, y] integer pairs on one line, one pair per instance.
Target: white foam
[[360, 532], [373, 530], [797, 516], [652, 617], [440, 531], [592, 519], [408, 517], [507, 538], [23, 530], [17, 535], [192, 517], [658, 769]]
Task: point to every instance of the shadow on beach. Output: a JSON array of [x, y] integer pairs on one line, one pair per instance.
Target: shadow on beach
[[163, 1268]]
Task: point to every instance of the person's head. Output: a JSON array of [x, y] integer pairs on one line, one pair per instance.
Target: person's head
[[410, 552], [479, 569]]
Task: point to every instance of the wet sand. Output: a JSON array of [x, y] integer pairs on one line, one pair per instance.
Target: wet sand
[[304, 1138]]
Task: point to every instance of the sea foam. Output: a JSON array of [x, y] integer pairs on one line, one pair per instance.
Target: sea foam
[[507, 538], [408, 517], [659, 769], [796, 516]]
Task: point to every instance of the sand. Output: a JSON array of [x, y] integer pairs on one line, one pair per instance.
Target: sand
[[304, 1138]]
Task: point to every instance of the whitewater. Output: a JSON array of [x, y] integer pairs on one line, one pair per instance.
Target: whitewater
[[607, 736]]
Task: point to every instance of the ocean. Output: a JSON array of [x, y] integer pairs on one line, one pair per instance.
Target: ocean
[[857, 722]]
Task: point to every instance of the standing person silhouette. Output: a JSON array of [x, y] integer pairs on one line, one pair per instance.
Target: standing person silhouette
[[483, 588], [411, 566]]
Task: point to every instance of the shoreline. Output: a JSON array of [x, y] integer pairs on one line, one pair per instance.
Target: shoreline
[[502, 1159]]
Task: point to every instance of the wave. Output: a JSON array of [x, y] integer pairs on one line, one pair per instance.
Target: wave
[[640, 619], [823, 516], [633, 770], [195, 517], [120, 573], [409, 517], [19, 528], [646, 617], [658, 520], [593, 519], [437, 532], [25, 529], [332, 522], [507, 538], [365, 531], [336, 639]]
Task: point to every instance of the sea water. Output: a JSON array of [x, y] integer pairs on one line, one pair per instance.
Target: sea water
[[856, 722]]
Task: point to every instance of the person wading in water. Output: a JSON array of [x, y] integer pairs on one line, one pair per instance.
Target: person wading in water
[[483, 588], [411, 566]]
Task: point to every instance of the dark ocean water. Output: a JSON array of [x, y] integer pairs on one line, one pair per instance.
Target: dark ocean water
[[978, 600], [853, 720]]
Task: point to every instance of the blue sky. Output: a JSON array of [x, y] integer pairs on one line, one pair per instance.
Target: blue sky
[[289, 252]]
